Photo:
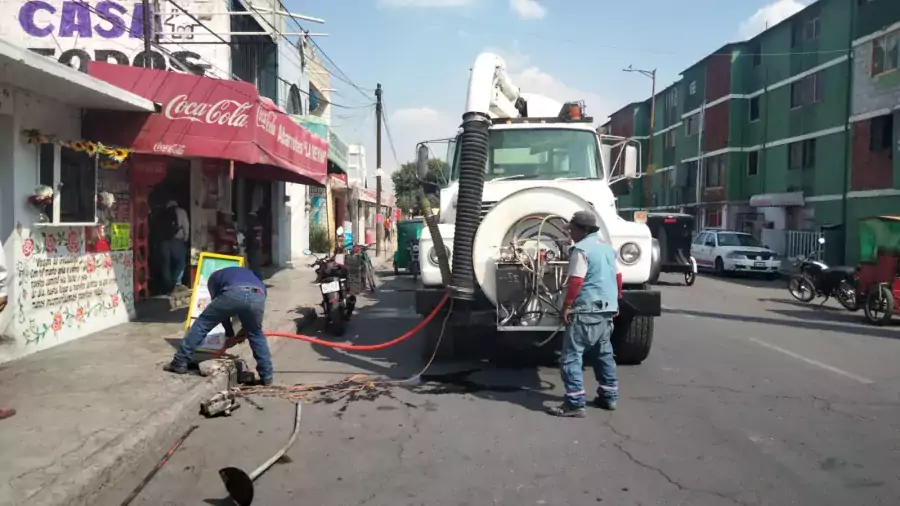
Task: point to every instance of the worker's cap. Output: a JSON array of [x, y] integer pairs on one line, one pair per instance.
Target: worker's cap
[[171, 203], [584, 219]]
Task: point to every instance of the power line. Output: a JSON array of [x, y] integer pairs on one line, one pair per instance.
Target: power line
[[387, 130]]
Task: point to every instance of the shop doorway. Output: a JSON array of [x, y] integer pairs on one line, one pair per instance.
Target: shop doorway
[[252, 205], [175, 186]]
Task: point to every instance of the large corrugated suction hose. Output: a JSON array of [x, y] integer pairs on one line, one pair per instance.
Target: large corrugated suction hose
[[473, 157], [439, 249]]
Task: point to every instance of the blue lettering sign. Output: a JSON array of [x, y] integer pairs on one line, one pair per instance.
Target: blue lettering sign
[[26, 18], [76, 19]]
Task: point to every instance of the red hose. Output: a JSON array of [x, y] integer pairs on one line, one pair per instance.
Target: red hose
[[357, 347]]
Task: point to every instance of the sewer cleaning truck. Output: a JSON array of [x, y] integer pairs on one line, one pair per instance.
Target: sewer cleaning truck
[[520, 166]]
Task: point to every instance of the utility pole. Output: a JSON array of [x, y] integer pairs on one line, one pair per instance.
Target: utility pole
[[148, 33], [378, 172], [652, 75]]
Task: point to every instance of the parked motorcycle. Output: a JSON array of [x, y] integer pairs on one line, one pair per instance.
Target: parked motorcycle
[[413, 248], [337, 303], [813, 278]]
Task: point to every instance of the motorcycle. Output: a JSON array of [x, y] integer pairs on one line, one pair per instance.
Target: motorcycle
[[413, 248], [337, 303], [813, 278]]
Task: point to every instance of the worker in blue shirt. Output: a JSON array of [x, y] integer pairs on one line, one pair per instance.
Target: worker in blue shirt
[[235, 291]]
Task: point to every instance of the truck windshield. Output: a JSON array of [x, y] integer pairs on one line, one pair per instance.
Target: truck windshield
[[541, 153]]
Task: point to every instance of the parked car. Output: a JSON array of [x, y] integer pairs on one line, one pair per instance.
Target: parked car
[[725, 251]]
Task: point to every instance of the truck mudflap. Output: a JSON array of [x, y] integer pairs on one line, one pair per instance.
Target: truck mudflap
[[641, 302]]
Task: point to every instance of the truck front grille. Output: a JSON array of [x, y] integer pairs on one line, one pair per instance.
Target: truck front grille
[[486, 208]]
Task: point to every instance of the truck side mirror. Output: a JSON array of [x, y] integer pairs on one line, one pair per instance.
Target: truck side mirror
[[631, 162], [422, 162], [606, 158]]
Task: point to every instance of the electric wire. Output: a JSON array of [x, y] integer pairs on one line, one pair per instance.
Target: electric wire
[[387, 130]]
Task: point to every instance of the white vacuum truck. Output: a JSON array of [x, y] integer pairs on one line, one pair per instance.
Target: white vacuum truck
[[520, 167]]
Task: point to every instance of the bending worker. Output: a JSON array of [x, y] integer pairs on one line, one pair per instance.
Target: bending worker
[[235, 291], [592, 301]]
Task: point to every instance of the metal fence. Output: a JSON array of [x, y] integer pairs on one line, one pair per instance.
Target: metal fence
[[803, 242]]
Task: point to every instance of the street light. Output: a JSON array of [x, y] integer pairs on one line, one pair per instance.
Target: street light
[[652, 75]]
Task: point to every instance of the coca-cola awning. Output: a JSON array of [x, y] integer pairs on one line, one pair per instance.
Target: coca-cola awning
[[208, 118]]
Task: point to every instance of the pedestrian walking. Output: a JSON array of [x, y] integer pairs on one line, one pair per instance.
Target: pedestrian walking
[[590, 305], [175, 231], [235, 291], [387, 230], [4, 412]]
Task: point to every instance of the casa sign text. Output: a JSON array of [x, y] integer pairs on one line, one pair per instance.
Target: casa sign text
[[76, 32]]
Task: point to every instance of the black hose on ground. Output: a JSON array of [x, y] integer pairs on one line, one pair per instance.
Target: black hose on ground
[[473, 154]]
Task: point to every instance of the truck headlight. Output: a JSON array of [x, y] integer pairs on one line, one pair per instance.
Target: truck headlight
[[433, 258], [629, 253]]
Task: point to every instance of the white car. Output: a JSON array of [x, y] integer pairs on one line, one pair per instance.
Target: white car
[[726, 252]]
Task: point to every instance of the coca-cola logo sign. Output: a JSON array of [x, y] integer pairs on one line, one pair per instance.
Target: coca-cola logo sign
[[224, 112], [266, 120]]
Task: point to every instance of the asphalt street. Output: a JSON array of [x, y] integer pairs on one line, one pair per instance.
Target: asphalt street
[[747, 398]]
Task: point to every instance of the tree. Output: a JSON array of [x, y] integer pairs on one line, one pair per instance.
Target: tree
[[407, 185]]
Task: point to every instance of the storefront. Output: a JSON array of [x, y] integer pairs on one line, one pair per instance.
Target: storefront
[[65, 208], [237, 148]]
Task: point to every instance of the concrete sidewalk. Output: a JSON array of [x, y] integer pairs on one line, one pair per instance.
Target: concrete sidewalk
[[100, 409]]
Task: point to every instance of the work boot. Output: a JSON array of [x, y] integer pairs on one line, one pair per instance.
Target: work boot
[[566, 410], [176, 368], [6, 413], [605, 404]]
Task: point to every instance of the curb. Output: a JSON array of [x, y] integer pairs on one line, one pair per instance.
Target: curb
[[111, 476]]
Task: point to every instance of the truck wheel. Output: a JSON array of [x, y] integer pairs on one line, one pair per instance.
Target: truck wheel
[[631, 339]]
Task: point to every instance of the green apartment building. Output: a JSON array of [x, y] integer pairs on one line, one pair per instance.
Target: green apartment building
[[789, 131]]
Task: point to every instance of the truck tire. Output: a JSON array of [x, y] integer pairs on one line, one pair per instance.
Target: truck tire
[[631, 339]]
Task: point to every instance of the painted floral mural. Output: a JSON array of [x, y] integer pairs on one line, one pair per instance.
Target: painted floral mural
[[64, 293]]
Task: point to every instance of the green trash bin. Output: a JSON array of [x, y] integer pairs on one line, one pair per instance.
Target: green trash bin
[[407, 230]]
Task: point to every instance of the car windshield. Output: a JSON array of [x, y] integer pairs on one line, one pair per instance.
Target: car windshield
[[545, 153], [738, 240]]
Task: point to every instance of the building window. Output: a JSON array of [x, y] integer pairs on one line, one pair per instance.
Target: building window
[[692, 88], [713, 218], [756, 54], [73, 177], [714, 171], [691, 125], [754, 109], [753, 163], [881, 133], [886, 53], [669, 138], [809, 90], [802, 154], [805, 30]]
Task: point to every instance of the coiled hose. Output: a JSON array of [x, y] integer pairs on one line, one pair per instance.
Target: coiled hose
[[473, 155]]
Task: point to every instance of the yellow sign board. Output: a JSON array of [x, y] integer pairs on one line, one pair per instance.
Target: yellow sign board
[[200, 296]]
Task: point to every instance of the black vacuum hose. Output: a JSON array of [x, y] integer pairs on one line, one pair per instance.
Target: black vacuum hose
[[473, 157], [438, 241]]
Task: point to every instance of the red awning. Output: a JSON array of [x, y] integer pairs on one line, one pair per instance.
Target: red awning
[[208, 118]]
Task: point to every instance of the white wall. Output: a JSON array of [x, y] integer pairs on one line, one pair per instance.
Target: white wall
[[57, 291], [297, 234], [76, 44]]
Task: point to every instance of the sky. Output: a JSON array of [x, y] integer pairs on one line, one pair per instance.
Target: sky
[[421, 51]]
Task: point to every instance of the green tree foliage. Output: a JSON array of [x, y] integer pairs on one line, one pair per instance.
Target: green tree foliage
[[407, 185]]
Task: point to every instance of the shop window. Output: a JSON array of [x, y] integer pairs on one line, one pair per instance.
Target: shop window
[[802, 154], [754, 109], [692, 88], [714, 217], [715, 172], [73, 177], [753, 163], [881, 133], [886, 53]]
